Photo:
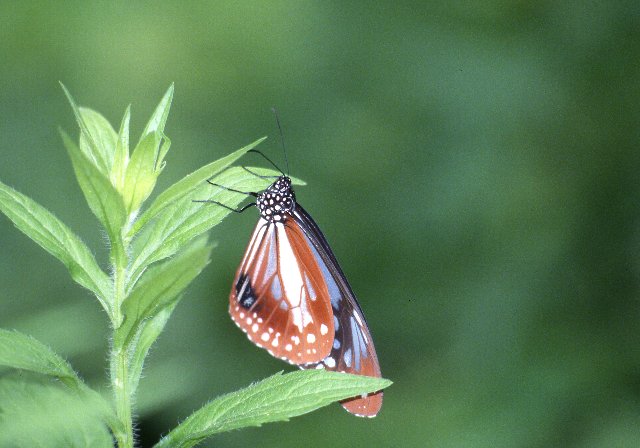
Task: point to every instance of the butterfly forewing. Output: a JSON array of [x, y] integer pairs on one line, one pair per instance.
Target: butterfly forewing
[[279, 298]]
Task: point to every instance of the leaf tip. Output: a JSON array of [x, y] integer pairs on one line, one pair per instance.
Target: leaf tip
[[169, 93], [68, 95]]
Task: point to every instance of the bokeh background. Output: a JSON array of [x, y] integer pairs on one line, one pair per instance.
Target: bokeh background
[[473, 164]]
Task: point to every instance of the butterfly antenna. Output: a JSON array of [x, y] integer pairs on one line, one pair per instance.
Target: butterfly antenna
[[267, 159], [286, 160]]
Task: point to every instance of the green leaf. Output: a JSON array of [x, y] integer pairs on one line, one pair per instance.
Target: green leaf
[[141, 175], [189, 183], [147, 160], [186, 219], [121, 157], [164, 149], [103, 199], [148, 333], [36, 412], [57, 239], [276, 398], [101, 136], [159, 117], [160, 286], [20, 351], [152, 301], [95, 152]]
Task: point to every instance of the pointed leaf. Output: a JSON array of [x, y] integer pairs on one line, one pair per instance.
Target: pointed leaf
[[36, 412], [93, 153], [276, 398], [149, 331], [103, 199], [189, 183], [160, 287], [20, 351], [151, 303], [159, 118], [121, 157], [102, 137], [141, 175], [57, 239]]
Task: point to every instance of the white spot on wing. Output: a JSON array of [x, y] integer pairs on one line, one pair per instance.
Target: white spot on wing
[[324, 329], [347, 358], [276, 289], [330, 362], [312, 293], [362, 325], [311, 338]]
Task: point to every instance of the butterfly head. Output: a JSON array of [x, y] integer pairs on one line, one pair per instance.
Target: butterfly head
[[277, 201]]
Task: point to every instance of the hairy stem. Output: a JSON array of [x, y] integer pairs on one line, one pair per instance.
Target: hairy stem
[[119, 359]]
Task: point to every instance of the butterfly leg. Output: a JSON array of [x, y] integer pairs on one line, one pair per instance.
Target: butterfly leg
[[240, 210], [248, 193]]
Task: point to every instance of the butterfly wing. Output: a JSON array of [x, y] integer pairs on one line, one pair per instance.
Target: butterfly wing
[[279, 297], [352, 350]]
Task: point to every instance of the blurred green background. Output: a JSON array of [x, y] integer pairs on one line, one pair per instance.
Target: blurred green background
[[473, 165]]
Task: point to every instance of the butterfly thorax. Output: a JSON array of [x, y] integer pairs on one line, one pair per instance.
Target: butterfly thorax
[[277, 201]]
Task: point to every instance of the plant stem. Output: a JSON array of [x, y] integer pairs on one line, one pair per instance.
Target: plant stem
[[123, 401], [119, 358]]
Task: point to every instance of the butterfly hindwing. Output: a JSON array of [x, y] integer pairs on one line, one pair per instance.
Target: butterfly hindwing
[[352, 349], [353, 352]]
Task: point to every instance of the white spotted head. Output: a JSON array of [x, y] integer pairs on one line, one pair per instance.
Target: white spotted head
[[277, 200]]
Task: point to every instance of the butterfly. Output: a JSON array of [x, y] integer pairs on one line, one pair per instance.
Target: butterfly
[[290, 296]]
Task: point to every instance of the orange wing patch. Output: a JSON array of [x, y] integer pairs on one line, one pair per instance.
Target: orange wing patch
[[279, 298]]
